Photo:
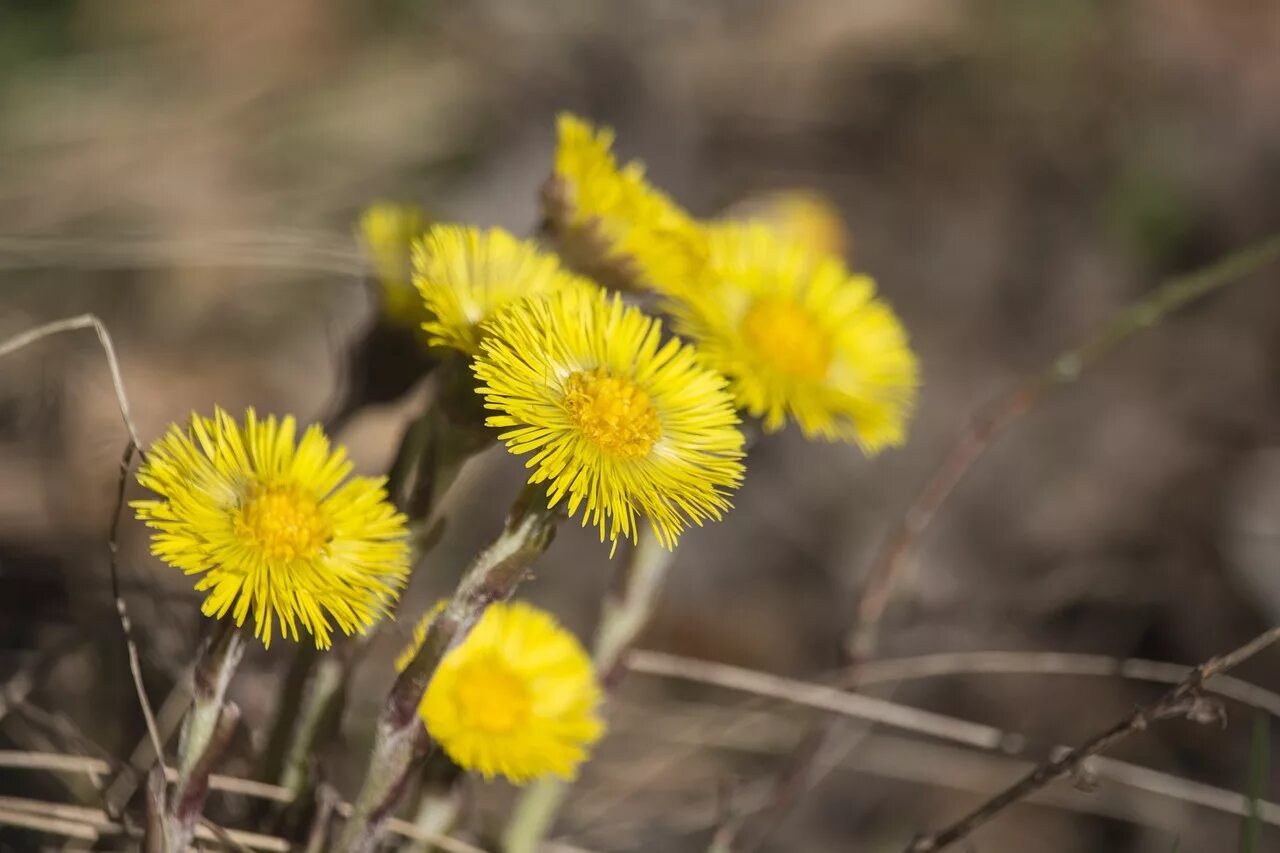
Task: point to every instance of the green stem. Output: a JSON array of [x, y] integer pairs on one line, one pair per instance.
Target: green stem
[[401, 741], [625, 613], [206, 731], [431, 454]]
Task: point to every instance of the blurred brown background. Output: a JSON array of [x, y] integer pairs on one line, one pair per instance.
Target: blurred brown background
[[1011, 173]]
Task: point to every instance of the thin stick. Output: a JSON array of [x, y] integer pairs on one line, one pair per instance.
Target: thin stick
[[91, 321], [294, 251], [825, 698], [1182, 700], [896, 670], [900, 545], [69, 324], [135, 666]]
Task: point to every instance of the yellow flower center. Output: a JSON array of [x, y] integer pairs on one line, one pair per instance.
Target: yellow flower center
[[284, 522], [491, 697], [788, 337], [613, 413]]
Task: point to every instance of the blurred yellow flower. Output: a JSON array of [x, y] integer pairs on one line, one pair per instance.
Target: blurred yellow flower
[[271, 527], [799, 216], [517, 698], [466, 275], [387, 231], [620, 422], [609, 222], [800, 337]]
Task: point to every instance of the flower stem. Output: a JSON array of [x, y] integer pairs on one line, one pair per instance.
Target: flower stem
[[625, 612], [401, 741], [431, 454], [206, 731]]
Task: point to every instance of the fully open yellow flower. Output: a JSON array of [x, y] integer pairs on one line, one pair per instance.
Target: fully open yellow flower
[[622, 424], [517, 698], [609, 222], [271, 527], [387, 231], [466, 275], [800, 337]]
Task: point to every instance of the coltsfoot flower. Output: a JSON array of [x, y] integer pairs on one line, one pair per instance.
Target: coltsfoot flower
[[466, 275], [609, 222], [387, 231], [798, 216], [800, 337], [620, 424], [271, 527], [517, 698]]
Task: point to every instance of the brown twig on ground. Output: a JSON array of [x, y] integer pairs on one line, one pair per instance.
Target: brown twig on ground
[[1184, 700], [887, 567]]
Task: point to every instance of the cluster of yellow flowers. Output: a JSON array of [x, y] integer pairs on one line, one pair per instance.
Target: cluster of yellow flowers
[[621, 423]]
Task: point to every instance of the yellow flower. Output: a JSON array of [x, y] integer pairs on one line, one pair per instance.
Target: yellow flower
[[272, 527], [618, 421], [466, 275], [516, 698], [609, 223], [386, 232], [409, 652], [799, 216], [800, 337]]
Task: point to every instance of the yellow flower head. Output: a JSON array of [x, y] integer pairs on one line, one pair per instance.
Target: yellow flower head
[[516, 698], [272, 527], [386, 232], [799, 216], [800, 337], [466, 275], [615, 419], [609, 223], [409, 652]]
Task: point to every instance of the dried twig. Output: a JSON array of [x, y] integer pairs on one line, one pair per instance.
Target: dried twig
[[292, 250], [70, 324], [896, 670], [1184, 700], [90, 321], [825, 698], [990, 423]]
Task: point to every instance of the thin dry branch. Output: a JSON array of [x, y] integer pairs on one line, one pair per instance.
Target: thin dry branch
[[1184, 700], [991, 422], [895, 670], [292, 250], [88, 765], [91, 321], [866, 708], [71, 324]]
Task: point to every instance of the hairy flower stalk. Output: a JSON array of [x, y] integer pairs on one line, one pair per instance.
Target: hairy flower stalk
[[207, 728], [624, 614], [432, 452], [401, 742]]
